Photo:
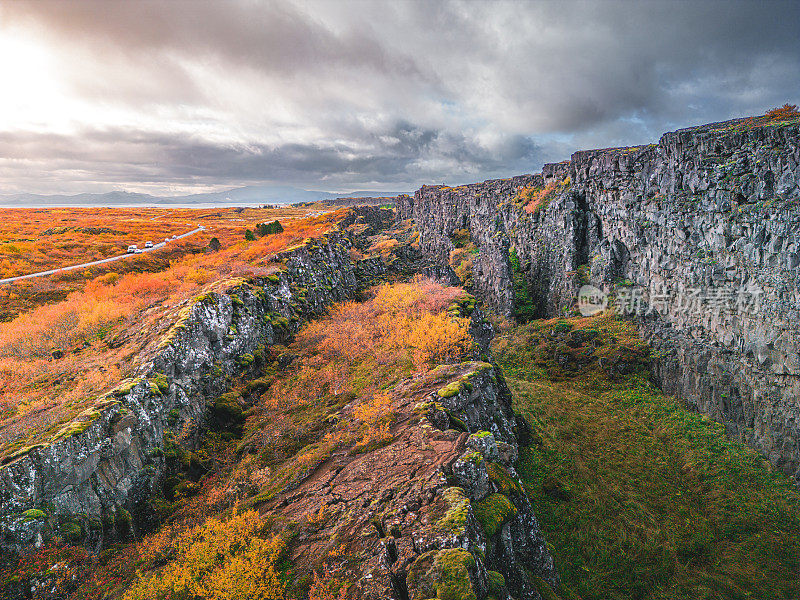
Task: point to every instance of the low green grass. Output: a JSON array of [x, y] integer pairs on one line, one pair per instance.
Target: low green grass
[[639, 497]]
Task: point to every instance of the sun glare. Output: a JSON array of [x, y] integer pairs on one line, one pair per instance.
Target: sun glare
[[31, 97]]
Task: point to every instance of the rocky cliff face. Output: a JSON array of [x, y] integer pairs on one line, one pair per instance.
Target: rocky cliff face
[[92, 482], [702, 226]]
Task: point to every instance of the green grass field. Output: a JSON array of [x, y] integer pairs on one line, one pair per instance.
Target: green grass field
[[638, 496]]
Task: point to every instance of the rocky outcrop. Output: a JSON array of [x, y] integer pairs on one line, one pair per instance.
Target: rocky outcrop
[[439, 511], [90, 484], [707, 219]]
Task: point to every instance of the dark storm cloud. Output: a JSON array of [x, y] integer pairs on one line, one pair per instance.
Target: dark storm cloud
[[141, 157], [354, 93]]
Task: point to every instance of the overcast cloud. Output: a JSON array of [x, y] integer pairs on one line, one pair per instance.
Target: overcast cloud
[[174, 97]]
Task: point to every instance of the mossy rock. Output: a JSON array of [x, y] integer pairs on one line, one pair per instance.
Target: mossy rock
[[22, 452], [455, 516], [457, 423], [443, 575], [34, 514], [452, 569], [425, 408], [497, 584], [125, 387], [123, 517], [280, 322], [161, 382], [451, 389], [245, 360], [501, 479], [473, 457], [493, 512], [71, 532], [259, 354], [226, 412]]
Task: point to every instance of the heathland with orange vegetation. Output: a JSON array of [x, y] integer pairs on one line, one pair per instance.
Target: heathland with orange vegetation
[[58, 358], [41, 239]]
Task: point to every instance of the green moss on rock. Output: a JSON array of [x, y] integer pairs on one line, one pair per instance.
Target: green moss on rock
[[493, 512], [161, 382], [451, 389], [34, 514], [125, 387], [496, 583], [457, 423], [452, 569], [504, 483], [245, 360], [455, 518], [442, 574], [71, 532], [227, 412]]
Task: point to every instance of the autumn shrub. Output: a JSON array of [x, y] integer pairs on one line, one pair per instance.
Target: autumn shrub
[[787, 111], [405, 320], [220, 560], [376, 416], [538, 199], [460, 261]]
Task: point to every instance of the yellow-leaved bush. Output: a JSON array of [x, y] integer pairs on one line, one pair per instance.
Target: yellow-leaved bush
[[219, 560]]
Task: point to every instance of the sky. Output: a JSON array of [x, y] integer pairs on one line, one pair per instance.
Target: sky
[[177, 97]]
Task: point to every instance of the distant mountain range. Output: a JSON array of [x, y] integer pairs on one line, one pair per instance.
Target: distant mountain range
[[248, 195]]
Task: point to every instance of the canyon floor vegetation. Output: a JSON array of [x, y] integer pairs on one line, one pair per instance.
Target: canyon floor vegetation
[[638, 496]]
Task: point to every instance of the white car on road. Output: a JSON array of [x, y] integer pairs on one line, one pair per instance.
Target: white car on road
[[132, 249]]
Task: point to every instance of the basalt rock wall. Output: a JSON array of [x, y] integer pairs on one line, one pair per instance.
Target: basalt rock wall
[[705, 225]]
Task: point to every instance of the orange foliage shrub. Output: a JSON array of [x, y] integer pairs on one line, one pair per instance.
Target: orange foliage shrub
[[402, 320], [537, 198], [787, 111], [377, 416], [220, 560]]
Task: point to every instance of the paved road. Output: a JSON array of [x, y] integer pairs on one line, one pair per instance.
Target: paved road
[[98, 262]]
